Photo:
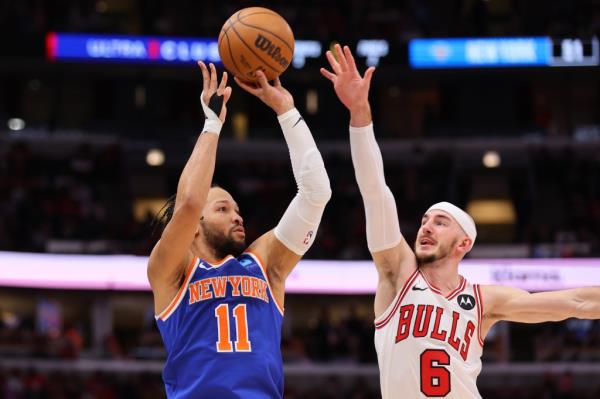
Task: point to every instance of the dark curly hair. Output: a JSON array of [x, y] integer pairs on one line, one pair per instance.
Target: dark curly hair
[[164, 215]]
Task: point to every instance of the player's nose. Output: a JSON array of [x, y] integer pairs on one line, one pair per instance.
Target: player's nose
[[426, 227], [238, 219]]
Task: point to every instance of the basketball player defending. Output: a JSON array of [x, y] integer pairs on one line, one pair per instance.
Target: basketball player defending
[[430, 322], [219, 304]]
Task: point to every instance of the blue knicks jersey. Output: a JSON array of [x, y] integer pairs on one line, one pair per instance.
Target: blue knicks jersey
[[222, 332]]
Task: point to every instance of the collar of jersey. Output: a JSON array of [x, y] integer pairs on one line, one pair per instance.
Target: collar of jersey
[[215, 265], [433, 288]]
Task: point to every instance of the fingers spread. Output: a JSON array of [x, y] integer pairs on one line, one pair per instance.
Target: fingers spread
[[262, 79], [334, 64], [250, 89], [223, 84], [350, 59], [327, 74], [341, 57], [213, 78], [369, 75], [226, 94], [205, 77]]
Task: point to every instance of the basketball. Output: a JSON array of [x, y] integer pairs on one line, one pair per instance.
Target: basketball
[[256, 38]]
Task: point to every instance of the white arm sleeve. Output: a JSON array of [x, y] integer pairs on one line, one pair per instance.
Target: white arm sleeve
[[298, 226], [383, 228]]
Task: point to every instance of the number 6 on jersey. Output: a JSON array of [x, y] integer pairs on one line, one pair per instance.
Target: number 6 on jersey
[[242, 344], [435, 378]]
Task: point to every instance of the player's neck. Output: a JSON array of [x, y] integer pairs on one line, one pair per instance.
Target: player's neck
[[443, 274], [204, 252]]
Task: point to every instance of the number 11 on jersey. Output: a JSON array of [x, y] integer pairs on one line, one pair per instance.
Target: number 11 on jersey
[[224, 344]]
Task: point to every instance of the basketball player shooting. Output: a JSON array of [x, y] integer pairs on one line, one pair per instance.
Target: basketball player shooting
[[430, 323], [219, 303]]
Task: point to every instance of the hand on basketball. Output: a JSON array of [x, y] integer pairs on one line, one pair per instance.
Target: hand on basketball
[[275, 95], [211, 86], [350, 87]]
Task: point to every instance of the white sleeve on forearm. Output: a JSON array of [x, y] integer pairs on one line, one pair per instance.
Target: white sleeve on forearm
[[383, 228], [298, 226]]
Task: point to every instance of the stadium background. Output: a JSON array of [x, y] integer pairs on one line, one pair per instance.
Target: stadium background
[[75, 178]]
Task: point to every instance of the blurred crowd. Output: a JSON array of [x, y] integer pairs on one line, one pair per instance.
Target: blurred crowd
[[36, 384], [86, 196], [336, 334], [346, 341], [310, 19]]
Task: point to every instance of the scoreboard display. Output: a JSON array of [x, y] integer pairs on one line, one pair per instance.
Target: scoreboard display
[[444, 53], [433, 53], [575, 52]]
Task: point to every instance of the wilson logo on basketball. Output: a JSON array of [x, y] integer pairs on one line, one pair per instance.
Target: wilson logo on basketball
[[266, 46]]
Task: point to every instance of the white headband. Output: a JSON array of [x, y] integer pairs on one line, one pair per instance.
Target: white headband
[[463, 219]]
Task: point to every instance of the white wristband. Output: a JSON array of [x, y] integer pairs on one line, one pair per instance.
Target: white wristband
[[211, 126]]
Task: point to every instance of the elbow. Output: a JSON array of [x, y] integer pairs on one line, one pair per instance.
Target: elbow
[[323, 193], [313, 182], [318, 194], [190, 205]]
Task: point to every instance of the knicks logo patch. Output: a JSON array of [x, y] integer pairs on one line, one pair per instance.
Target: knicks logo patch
[[465, 301]]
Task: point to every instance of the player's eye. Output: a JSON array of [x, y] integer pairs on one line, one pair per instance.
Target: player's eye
[[222, 209]]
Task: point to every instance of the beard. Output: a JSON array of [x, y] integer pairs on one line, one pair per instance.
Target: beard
[[223, 244], [441, 253]]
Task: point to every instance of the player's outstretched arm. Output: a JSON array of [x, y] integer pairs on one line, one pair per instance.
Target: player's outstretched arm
[[513, 304], [282, 247], [171, 255], [393, 257]]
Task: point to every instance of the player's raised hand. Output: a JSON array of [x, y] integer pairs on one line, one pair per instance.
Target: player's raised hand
[[275, 95], [214, 95], [350, 87]]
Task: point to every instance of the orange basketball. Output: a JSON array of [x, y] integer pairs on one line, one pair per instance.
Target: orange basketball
[[256, 38]]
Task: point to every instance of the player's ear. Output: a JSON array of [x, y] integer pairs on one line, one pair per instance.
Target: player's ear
[[197, 232], [465, 245]]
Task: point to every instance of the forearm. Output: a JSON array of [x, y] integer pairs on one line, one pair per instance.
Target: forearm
[[298, 138], [367, 161], [587, 303], [513, 304], [307, 163], [196, 178], [383, 229], [297, 228]]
